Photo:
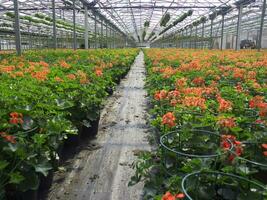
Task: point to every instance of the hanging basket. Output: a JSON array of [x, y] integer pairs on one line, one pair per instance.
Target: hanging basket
[[221, 186], [181, 145]]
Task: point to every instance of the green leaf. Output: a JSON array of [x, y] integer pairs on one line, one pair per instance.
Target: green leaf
[[15, 177], [3, 164], [31, 182], [43, 168]]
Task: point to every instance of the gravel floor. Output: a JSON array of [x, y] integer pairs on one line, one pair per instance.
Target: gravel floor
[[102, 171]]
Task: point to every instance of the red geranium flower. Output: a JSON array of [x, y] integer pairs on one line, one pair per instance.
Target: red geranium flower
[[169, 119]]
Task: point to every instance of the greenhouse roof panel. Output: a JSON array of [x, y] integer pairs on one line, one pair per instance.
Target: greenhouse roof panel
[[130, 16]]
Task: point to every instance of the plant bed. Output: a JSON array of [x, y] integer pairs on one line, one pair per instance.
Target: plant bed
[[58, 91], [221, 186], [221, 92]]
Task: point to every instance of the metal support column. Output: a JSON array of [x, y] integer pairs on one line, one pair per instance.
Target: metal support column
[[191, 30], [202, 35], [196, 38], [17, 28], [110, 37], [182, 39], [261, 25], [86, 27], [101, 38], [106, 46], [54, 25], [74, 27], [239, 21], [95, 32], [222, 31], [113, 39], [211, 34]]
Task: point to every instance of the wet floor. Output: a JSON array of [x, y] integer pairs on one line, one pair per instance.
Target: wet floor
[[103, 172]]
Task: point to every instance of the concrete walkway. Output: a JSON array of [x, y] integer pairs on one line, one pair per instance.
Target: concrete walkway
[[104, 172]]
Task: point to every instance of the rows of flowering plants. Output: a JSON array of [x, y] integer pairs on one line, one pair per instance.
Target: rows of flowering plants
[[209, 111], [45, 97]]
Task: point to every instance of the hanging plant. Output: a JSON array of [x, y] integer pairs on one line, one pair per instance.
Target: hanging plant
[[213, 15], [166, 29], [144, 35], [39, 15], [203, 19], [189, 13], [165, 19], [146, 24], [151, 35], [10, 14], [224, 10]]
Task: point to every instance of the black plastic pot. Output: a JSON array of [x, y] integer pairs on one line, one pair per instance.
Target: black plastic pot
[[45, 184], [28, 195], [92, 130]]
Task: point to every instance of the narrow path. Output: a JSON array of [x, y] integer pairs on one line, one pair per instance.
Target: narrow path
[[104, 173]]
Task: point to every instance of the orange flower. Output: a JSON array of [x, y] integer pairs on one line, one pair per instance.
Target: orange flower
[[264, 146], [180, 196], [198, 81], [194, 102], [227, 122], [255, 101], [41, 75], [16, 118], [265, 153], [99, 72], [58, 79], [71, 76], [169, 119], [180, 83], [63, 64], [239, 87], [44, 64], [7, 69], [83, 77], [169, 196], [173, 94], [8, 138], [159, 95], [224, 105]]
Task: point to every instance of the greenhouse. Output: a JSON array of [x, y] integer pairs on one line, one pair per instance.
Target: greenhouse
[[133, 100]]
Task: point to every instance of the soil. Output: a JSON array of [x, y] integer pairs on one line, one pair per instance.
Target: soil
[[102, 168]]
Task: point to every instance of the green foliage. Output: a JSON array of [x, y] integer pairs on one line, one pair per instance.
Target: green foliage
[[55, 93], [165, 19]]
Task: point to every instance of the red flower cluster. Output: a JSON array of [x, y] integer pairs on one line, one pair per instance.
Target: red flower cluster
[[194, 102], [169, 196], [16, 118], [225, 144], [8, 138], [264, 146], [227, 122], [180, 83], [169, 119], [224, 105], [63, 64], [198, 81], [258, 102], [98, 72], [159, 95], [71, 76], [239, 88]]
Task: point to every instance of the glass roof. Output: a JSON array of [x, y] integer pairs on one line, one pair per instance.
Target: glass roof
[[130, 15]]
